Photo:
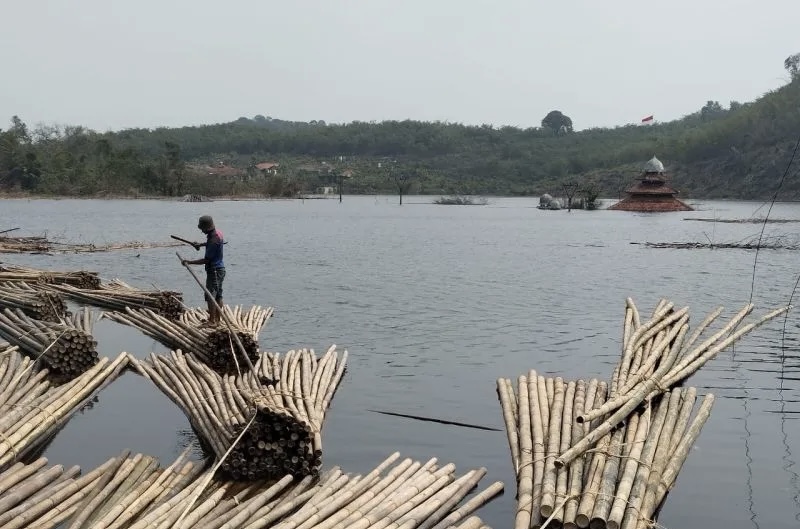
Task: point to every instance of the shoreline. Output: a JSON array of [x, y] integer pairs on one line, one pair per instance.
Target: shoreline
[[252, 198]]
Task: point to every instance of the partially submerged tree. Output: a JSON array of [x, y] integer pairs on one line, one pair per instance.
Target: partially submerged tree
[[570, 188]]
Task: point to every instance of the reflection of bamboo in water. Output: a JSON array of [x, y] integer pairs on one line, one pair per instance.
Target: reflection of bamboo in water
[[794, 478]]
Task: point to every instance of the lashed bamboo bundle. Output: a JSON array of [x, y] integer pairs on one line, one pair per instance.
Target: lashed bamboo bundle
[[82, 279], [578, 467], [281, 406], [134, 493], [65, 348], [31, 409], [214, 346], [117, 295], [656, 357], [251, 320], [38, 304], [24, 245]]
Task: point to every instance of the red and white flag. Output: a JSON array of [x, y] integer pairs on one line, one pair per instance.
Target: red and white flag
[[648, 118]]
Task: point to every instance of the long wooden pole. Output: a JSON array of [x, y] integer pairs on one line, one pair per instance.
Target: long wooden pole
[[224, 315]]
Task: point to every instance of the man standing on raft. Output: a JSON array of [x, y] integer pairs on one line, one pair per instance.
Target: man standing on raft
[[215, 268]]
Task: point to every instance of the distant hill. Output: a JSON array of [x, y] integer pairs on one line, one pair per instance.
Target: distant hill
[[720, 151]]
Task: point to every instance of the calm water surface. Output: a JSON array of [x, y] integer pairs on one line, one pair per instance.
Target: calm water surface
[[435, 303]]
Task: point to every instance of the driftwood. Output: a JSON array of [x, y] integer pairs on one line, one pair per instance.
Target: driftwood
[[66, 348], [585, 457], [777, 242], [747, 221], [133, 492], [214, 346], [282, 408]]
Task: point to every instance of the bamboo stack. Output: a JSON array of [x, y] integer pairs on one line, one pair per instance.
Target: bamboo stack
[[24, 244], [66, 348], [134, 493], [213, 346], [38, 304], [32, 410], [251, 320], [596, 454], [117, 295], [281, 406], [81, 279]]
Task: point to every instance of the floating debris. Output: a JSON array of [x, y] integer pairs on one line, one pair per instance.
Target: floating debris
[[66, 348], [214, 346], [36, 303], [746, 221], [281, 406], [588, 453], [768, 243], [118, 295]]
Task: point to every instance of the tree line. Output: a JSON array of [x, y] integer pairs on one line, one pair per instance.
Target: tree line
[[730, 150]]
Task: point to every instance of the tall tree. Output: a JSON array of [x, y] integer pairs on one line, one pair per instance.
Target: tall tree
[[557, 122], [792, 65]]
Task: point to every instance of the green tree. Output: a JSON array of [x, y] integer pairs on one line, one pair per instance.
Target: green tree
[[792, 65], [557, 122]]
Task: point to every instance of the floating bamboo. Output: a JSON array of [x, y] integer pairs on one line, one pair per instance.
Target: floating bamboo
[[584, 458], [32, 410], [82, 279], [282, 406], [133, 492], [36, 303], [117, 295], [213, 346], [67, 348]]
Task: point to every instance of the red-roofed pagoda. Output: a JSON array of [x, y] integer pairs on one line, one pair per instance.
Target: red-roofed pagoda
[[651, 194]]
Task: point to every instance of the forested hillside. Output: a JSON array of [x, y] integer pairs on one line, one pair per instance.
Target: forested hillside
[[721, 151]]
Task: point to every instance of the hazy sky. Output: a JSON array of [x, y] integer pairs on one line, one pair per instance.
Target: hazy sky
[[111, 64]]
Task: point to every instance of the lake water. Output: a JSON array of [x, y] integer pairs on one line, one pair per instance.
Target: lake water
[[434, 303]]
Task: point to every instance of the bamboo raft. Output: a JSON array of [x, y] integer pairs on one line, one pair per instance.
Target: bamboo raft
[[596, 454], [81, 279], [118, 295], [66, 348], [35, 303], [213, 346], [134, 493], [39, 245], [281, 406], [251, 320], [32, 410]]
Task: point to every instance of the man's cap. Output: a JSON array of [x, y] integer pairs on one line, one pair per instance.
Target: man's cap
[[205, 222]]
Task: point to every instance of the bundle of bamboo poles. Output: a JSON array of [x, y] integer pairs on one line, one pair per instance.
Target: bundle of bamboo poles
[[38, 304], [81, 278], [24, 244], [32, 410], [117, 295], [132, 492], [65, 348], [596, 454], [214, 346], [281, 406], [251, 320]]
